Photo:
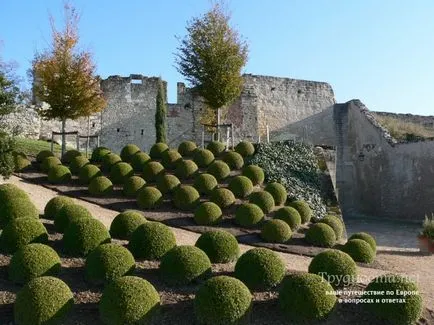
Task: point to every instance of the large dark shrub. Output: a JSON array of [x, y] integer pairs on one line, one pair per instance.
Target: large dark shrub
[[320, 234], [278, 192], [54, 206], [152, 170], [335, 223], [77, 163], [87, 173], [149, 197], [100, 186], [139, 160], [128, 152], [169, 158], [254, 173], [186, 197], [43, 154], [7, 157], [20, 232], [70, 155], [186, 169], [157, 150], [59, 174], [208, 213], [125, 223], [205, 183], [203, 157], [290, 216], [220, 246], [219, 169], [69, 213], [245, 148], [99, 153], [49, 163], [241, 186], [303, 209], [367, 238], [234, 160], [359, 250], [248, 215], [187, 148], [223, 197], [167, 183], [262, 199], [133, 185], [109, 161], [120, 172], [276, 231], [216, 147]]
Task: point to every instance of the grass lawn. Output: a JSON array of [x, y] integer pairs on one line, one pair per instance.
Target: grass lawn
[[403, 130], [32, 147]]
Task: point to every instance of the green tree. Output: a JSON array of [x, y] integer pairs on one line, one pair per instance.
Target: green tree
[[64, 76], [211, 57], [161, 114], [9, 89]]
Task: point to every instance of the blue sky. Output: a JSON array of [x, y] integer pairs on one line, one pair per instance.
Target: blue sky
[[379, 51]]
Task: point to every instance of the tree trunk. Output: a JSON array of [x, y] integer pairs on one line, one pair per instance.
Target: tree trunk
[[218, 124], [63, 136], [88, 134]]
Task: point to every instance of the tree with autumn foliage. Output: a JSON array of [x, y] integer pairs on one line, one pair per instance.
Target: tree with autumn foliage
[[64, 76]]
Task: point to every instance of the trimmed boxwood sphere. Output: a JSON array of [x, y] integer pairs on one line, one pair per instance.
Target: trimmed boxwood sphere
[[359, 250], [223, 197], [248, 215], [108, 262], [88, 172], [133, 185], [205, 183], [260, 268], [100, 186], [139, 160], [320, 234], [21, 161], [59, 174], [184, 264], [276, 231], [262, 199], [208, 213], [367, 238], [169, 158], [157, 150], [186, 169], [84, 235], [77, 163], [219, 169], [120, 172], [254, 173], [167, 183], [407, 312], [152, 170], [216, 147], [306, 297], [20, 232], [109, 161], [49, 163], [278, 192], [69, 213], [241, 186], [303, 209], [203, 157], [187, 148], [43, 154], [223, 300], [99, 153], [290, 215], [125, 223], [43, 300], [186, 197], [128, 152], [334, 266], [234, 160], [149, 197], [69, 155], [15, 203], [129, 300], [245, 148], [33, 260], [53, 207], [151, 240], [335, 223], [220, 246]]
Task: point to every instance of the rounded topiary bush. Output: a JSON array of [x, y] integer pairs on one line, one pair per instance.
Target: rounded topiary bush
[[234, 160], [151, 241], [49, 163], [184, 264], [43, 300], [367, 238], [108, 262], [203, 157], [59, 174], [20, 232], [169, 158], [139, 160], [69, 213], [99, 153], [77, 163], [216, 147], [245, 148], [70, 155], [407, 311], [306, 297], [223, 300], [152, 170], [100, 186], [53, 207], [208, 213], [149, 197], [335, 223], [303, 209], [276, 231], [186, 169], [205, 183], [260, 268], [186, 197], [120, 172], [15, 203], [321, 234], [129, 300], [21, 161], [128, 152], [241, 186], [219, 169], [109, 161], [43, 154], [84, 235], [167, 183], [133, 185], [334, 266], [262, 199], [254, 173], [125, 223], [359, 250], [88, 172], [223, 197], [187, 148], [220, 246], [278, 192], [248, 215], [157, 150], [290, 215]]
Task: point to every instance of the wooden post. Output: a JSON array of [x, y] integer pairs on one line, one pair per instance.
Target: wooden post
[[87, 139], [268, 134], [227, 136], [77, 140], [232, 136], [203, 136], [52, 141]]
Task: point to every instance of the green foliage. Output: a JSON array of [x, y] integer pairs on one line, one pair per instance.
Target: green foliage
[[262, 199], [21, 162], [290, 216], [254, 173], [120, 172], [151, 241], [69, 213], [169, 158], [276, 231], [367, 238], [184, 264], [335, 223], [84, 235], [205, 183], [405, 312], [223, 197], [100, 186], [187, 148], [278, 192], [129, 300], [99, 153], [133, 185], [157, 150], [139, 160], [128, 152], [427, 228], [245, 148], [186, 197], [77, 163], [43, 154], [149, 197], [33, 260], [186, 169], [161, 114], [203, 157], [59, 174], [234, 160], [320, 234], [167, 183], [69, 155], [334, 266], [219, 245], [219, 169], [241, 186], [125, 223], [260, 268], [359, 250], [20, 232], [303, 209], [208, 213], [248, 215], [306, 297], [9, 89], [53, 207], [88, 172], [223, 300], [42, 301], [49, 163], [109, 160], [152, 170], [107, 263], [7, 147], [216, 147]]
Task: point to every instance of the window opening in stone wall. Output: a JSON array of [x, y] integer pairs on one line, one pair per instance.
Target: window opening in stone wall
[[136, 81], [93, 124], [142, 131], [273, 88], [118, 130]]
